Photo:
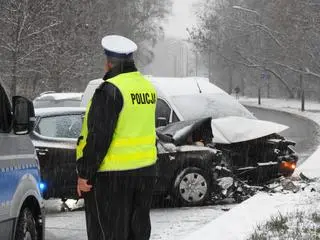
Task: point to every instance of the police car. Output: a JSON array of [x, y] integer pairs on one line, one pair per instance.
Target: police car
[[21, 203]]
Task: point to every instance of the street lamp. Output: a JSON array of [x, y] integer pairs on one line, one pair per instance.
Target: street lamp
[[259, 17], [302, 92]]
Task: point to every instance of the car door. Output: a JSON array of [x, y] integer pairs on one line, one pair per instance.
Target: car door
[[165, 112], [55, 140], [163, 171]]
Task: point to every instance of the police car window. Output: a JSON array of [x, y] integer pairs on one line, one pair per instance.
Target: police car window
[[67, 126], [163, 109], [5, 112]]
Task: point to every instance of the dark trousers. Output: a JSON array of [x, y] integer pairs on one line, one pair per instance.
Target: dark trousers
[[118, 207]]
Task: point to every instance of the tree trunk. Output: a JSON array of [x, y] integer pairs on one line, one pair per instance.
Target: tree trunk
[[35, 81], [230, 82], [13, 86], [56, 84], [242, 86]]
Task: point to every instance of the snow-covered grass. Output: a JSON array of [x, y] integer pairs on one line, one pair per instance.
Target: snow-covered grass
[[252, 215], [299, 225], [301, 222], [312, 108]]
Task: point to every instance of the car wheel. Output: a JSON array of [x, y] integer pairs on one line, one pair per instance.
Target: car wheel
[[191, 187], [26, 226]]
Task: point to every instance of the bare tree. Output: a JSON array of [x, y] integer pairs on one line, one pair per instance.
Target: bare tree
[[55, 44], [279, 37], [23, 24]]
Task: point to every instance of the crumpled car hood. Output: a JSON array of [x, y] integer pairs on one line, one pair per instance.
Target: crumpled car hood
[[225, 130], [238, 129]]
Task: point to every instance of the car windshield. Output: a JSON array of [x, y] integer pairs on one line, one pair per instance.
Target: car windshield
[[55, 103], [209, 105]]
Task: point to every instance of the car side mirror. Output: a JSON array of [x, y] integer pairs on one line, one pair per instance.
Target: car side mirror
[[23, 115], [162, 121]]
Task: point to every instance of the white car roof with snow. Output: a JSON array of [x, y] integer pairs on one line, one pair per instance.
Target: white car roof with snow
[[171, 86], [60, 96], [58, 111], [96, 81], [185, 86]]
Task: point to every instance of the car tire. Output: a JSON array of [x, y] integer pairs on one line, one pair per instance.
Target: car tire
[[26, 226], [191, 187]]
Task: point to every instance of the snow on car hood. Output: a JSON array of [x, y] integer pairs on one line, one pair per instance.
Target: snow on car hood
[[225, 130], [238, 129]]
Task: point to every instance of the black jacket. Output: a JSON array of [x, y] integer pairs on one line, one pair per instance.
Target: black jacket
[[105, 108]]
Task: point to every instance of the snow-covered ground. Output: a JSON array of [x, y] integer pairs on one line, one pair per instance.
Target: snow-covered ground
[[167, 223], [312, 109], [242, 220]]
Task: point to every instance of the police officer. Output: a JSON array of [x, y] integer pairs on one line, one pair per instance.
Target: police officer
[[116, 152]]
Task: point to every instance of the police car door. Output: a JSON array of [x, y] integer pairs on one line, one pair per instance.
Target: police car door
[[5, 159]]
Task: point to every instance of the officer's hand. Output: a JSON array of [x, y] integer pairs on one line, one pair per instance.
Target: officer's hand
[[83, 186]]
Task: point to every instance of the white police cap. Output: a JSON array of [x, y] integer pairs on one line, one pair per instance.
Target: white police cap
[[118, 46]]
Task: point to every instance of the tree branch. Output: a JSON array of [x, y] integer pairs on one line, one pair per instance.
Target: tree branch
[[307, 71], [41, 30]]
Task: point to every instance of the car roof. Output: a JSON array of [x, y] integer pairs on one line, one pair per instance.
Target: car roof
[[42, 112], [60, 96], [97, 81], [168, 87], [185, 86]]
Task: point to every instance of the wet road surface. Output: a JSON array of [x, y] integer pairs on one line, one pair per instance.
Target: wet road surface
[[304, 132]]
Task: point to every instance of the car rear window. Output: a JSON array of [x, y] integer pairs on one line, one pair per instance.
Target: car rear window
[[68, 126]]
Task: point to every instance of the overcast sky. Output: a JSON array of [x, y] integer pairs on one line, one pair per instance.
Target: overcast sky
[[182, 17]]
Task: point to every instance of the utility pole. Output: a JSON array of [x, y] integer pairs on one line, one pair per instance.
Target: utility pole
[[187, 67], [209, 66], [259, 88], [260, 45], [181, 65], [230, 80], [268, 88], [175, 66], [302, 92], [196, 63], [242, 86]]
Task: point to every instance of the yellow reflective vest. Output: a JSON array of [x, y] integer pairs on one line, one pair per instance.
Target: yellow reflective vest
[[133, 143]]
